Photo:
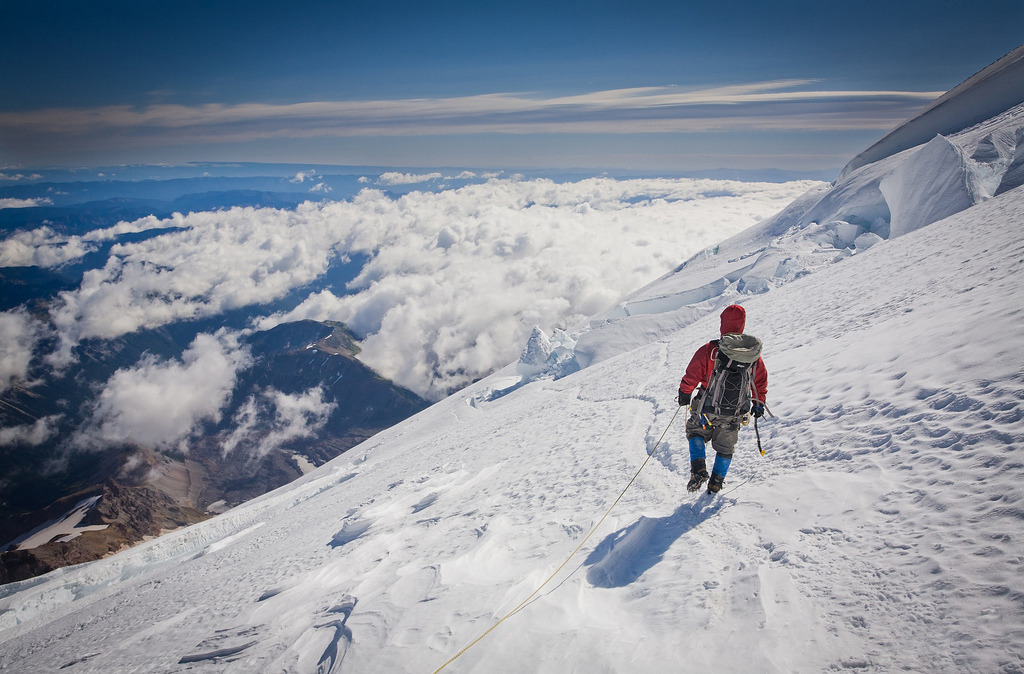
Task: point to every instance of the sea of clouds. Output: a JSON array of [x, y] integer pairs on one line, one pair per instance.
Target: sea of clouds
[[455, 279]]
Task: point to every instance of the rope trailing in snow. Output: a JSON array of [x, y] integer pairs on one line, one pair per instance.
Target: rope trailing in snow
[[571, 554]]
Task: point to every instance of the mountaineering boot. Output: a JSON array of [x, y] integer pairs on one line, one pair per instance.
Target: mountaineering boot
[[698, 474], [715, 483]]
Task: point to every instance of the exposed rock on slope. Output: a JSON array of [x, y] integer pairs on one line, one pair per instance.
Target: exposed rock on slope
[[130, 514]]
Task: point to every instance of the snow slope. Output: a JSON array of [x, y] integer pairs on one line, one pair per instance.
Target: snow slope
[[888, 198], [881, 532], [986, 93]]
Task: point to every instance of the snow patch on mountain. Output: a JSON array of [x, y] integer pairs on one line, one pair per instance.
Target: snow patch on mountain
[[547, 356], [64, 528], [1013, 176], [933, 183], [983, 96]]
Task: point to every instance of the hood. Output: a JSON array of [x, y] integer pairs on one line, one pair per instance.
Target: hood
[[734, 319]]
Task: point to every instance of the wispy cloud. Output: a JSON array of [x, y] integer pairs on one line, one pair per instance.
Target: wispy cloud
[[19, 176], [782, 104], [294, 416], [395, 178], [24, 203], [30, 434], [19, 333]]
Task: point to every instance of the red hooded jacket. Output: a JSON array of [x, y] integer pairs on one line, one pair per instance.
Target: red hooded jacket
[[734, 319]]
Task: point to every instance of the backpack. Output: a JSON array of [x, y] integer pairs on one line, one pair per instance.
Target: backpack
[[728, 393]]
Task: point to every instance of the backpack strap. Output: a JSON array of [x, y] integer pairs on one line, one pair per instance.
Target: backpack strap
[[698, 406], [713, 358]]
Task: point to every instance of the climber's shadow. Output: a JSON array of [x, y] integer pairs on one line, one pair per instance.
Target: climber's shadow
[[625, 555]]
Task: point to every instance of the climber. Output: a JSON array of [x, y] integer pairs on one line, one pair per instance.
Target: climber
[[733, 383]]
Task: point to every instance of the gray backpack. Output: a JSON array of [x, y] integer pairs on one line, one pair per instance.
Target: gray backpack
[[729, 391]]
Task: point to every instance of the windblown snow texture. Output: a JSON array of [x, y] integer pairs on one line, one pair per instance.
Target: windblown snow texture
[[882, 531]]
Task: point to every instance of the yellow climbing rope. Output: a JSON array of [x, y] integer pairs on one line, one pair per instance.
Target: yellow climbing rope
[[571, 554]]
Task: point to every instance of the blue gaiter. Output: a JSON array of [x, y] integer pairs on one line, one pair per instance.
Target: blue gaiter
[[696, 448], [721, 465]]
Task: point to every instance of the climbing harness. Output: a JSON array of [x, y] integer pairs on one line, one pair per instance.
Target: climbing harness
[[571, 555]]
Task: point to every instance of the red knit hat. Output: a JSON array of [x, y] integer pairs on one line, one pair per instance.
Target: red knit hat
[[734, 319]]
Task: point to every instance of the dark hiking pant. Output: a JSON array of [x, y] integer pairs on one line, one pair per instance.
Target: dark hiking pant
[[721, 432]]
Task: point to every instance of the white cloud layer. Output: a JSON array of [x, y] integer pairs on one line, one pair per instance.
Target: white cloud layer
[[30, 434], [24, 203], [395, 178], [294, 416], [456, 279], [219, 261], [19, 333], [159, 403], [43, 247], [459, 278]]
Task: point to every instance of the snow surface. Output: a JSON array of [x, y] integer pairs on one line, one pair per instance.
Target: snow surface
[[881, 532], [933, 183]]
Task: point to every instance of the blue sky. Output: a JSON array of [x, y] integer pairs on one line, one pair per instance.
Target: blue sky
[[641, 85]]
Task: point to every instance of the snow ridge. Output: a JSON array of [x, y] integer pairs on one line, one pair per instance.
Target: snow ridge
[[985, 94]]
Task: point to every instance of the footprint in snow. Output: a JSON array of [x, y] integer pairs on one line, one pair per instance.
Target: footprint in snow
[[336, 650], [223, 646], [350, 531], [425, 502]]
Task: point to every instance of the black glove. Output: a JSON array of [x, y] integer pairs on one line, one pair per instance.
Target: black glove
[[758, 410], [684, 398]]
